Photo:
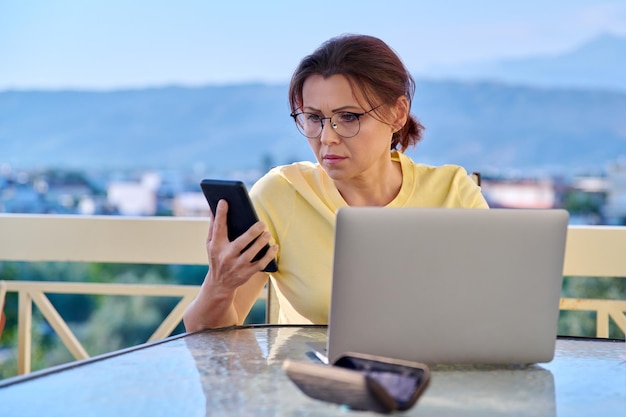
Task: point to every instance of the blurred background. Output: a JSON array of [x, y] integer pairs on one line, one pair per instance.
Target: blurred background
[[121, 108]]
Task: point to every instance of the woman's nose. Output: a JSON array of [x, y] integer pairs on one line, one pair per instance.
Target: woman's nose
[[329, 134]]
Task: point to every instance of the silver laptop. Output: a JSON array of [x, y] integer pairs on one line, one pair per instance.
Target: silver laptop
[[447, 286]]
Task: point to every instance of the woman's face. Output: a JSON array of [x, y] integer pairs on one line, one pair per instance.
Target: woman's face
[[358, 157]]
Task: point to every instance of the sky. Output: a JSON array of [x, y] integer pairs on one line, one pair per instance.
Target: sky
[[113, 44]]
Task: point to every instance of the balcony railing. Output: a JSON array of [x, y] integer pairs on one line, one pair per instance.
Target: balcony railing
[[593, 251]]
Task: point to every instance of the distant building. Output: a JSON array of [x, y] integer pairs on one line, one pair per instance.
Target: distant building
[[21, 199], [591, 185], [132, 198], [190, 204], [615, 208], [521, 193]]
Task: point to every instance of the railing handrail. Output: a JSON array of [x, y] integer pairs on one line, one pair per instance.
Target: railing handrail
[[595, 251], [118, 239]]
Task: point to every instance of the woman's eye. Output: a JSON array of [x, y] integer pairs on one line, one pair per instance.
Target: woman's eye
[[313, 118], [347, 117]]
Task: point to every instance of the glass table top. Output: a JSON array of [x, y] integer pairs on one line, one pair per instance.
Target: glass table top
[[239, 372]]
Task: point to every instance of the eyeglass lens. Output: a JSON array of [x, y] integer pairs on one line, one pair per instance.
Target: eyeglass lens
[[345, 124]]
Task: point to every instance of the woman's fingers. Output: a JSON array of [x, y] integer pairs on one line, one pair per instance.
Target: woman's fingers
[[238, 254], [219, 229], [267, 258]]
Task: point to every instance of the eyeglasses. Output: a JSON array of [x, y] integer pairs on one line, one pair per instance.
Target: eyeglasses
[[346, 124]]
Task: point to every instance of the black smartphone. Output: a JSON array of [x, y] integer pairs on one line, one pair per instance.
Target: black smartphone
[[241, 213]]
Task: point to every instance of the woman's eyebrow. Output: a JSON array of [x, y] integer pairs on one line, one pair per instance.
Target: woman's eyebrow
[[338, 109]]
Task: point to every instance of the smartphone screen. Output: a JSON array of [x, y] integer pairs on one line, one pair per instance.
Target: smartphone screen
[[241, 213]]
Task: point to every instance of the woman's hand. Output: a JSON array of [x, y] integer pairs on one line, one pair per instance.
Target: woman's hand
[[233, 282], [230, 265]]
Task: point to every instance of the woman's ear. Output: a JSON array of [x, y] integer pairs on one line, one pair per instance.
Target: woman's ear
[[400, 113]]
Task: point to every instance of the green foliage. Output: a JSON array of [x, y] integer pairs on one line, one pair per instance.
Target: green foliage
[[583, 323], [603, 288], [188, 274], [42, 345], [583, 203], [257, 313], [9, 272], [101, 323], [45, 271], [111, 272]]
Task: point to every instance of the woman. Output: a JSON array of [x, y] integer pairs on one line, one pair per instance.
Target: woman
[[351, 99]]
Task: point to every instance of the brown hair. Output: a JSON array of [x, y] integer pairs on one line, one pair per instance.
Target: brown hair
[[370, 65]]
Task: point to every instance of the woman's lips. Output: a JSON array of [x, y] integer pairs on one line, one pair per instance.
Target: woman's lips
[[333, 159]]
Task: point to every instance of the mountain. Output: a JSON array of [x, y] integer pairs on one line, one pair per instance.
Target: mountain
[[599, 63], [483, 126], [494, 127], [163, 127]]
